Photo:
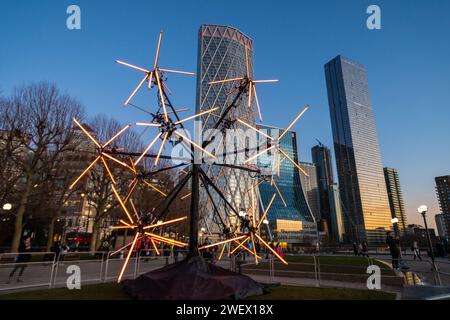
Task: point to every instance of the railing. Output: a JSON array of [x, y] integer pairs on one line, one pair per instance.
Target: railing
[[46, 269]]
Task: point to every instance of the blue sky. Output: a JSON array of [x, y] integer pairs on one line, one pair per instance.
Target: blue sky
[[407, 63]]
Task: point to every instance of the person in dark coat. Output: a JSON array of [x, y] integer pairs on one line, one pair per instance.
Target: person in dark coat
[[166, 253], [394, 248], [22, 258]]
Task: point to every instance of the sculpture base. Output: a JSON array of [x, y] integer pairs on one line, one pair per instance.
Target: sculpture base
[[192, 279]]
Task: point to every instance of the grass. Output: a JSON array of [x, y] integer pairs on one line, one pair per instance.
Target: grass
[[114, 291], [104, 291], [312, 293]]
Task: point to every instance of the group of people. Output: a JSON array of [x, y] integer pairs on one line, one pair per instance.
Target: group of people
[[361, 249]]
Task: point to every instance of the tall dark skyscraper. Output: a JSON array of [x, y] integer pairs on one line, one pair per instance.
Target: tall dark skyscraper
[[358, 158], [443, 193], [310, 188], [222, 55], [293, 223], [395, 196], [321, 156]]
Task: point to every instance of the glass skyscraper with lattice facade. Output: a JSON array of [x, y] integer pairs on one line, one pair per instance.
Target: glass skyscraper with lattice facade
[[395, 196], [358, 159], [293, 223], [222, 55]]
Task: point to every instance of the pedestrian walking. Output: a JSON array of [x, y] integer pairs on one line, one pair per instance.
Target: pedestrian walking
[[393, 243], [22, 258], [415, 250]]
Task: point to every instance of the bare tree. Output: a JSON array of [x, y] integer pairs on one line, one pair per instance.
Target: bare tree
[[39, 117]]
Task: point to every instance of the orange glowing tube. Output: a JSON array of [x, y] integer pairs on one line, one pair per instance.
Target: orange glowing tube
[[176, 71], [222, 242], [134, 209], [247, 249], [121, 227], [116, 135], [267, 210], [249, 94], [161, 148], [279, 193], [221, 252], [253, 206], [240, 245], [122, 204], [117, 161], [165, 223], [270, 248], [154, 188], [135, 90], [161, 96], [258, 154], [185, 196], [257, 103], [132, 66], [148, 124], [197, 115], [225, 80], [128, 258], [264, 81], [193, 143], [127, 224], [148, 148], [167, 240], [293, 122], [87, 133], [293, 162], [150, 79], [154, 246], [252, 127], [157, 50], [108, 170], [246, 62], [134, 184], [120, 249], [84, 172]]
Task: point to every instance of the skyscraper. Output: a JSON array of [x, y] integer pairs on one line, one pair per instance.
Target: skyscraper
[[310, 188], [358, 159], [321, 156], [222, 55], [441, 225], [336, 223], [395, 196], [294, 222], [443, 193]]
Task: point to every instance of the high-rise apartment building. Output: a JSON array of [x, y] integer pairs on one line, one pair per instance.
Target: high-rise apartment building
[[395, 196], [310, 188], [222, 52], [293, 223], [443, 193], [358, 159], [441, 225]]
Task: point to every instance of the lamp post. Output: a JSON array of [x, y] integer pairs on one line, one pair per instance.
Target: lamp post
[[7, 206], [394, 222], [423, 211]]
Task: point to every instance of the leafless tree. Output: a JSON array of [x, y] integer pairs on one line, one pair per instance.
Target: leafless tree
[[38, 124]]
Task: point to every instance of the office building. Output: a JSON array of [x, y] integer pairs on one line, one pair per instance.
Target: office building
[[336, 222], [395, 197], [310, 188], [358, 158], [294, 223], [443, 194], [441, 225], [222, 55]]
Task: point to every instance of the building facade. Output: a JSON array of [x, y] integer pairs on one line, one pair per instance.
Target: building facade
[[441, 226], [395, 196], [321, 157], [311, 188], [336, 221], [443, 194], [293, 223], [222, 55], [358, 159]]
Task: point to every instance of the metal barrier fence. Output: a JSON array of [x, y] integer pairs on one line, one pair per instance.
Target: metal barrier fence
[[46, 269]]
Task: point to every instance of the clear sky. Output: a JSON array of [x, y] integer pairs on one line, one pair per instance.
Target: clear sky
[[408, 65]]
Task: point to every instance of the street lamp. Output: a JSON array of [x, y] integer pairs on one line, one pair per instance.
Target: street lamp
[[7, 206], [394, 222], [423, 211]]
